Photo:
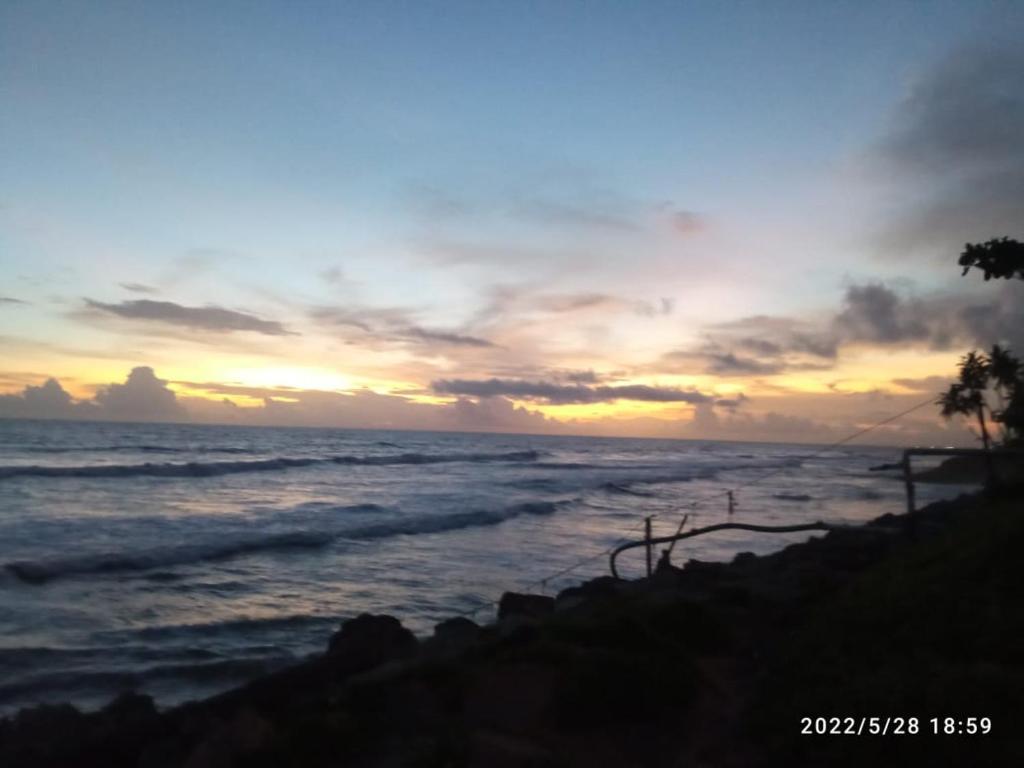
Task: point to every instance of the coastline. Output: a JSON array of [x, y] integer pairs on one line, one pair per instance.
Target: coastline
[[711, 663]]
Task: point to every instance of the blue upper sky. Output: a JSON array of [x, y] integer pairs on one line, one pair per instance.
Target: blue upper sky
[[285, 158]]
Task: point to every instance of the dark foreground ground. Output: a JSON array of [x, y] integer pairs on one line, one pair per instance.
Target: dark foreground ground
[[709, 665]]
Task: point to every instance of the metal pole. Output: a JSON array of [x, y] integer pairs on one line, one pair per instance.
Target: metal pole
[[647, 540]]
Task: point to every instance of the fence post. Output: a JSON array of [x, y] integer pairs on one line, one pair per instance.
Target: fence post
[[647, 544], [908, 480]]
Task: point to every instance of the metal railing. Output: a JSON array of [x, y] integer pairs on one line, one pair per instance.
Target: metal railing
[[649, 542]]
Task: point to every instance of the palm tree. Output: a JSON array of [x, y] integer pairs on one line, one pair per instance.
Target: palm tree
[[967, 396], [1005, 372]]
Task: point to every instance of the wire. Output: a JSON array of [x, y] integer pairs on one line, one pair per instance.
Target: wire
[[543, 582]]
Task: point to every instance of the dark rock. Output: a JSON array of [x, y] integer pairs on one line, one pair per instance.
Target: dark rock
[[744, 558], [529, 606], [601, 587], [130, 707], [453, 636], [47, 734], [457, 626], [246, 733], [703, 567], [125, 726], [369, 640]]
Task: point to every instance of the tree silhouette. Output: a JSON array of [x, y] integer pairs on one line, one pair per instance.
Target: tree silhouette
[[998, 376], [967, 396], [1000, 372], [1001, 258], [1007, 376]]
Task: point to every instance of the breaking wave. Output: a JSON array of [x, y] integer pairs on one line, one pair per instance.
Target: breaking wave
[[215, 468], [49, 569]]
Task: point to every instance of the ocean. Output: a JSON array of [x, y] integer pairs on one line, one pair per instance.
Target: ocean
[[180, 560]]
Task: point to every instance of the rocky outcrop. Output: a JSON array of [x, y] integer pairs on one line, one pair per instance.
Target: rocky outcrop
[[516, 605], [369, 640]]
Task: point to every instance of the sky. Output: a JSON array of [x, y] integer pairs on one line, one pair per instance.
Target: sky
[[731, 220]]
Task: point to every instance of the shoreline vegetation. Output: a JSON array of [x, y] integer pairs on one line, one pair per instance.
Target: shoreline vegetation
[[915, 616], [964, 470]]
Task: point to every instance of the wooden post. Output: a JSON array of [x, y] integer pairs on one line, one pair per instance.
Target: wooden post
[[908, 480], [647, 545]]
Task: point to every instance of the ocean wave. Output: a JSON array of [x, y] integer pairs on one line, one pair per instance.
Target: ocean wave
[[442, 458], [191, 469], [215, 468], [102, 449], [791, 496], [624, 489], [49, 569], [569, 465], [237, 626], [41, 684]]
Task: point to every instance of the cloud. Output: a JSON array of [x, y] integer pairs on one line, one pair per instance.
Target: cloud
[[564, 394], [574, 302], [875, 313], [209, 318], [581, 377], [934, 384], [365, 409], [760, 345], [956, 147], [142, 397], [764, 426], [138, 288], [804, 417], [731, 403], [729, 364], [47, 401], [871, 314], [394, 325], [499, 414], [9, 300], [566, 303], [445, 337]]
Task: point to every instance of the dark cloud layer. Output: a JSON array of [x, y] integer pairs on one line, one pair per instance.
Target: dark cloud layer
[[871, 314], [445, 337], [564, 394], [142, 397], [138, 288], [877, 314], [210, 318], [957, 147], [46, 401]]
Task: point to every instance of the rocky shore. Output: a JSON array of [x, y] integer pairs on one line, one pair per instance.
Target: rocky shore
[[706, 665]]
